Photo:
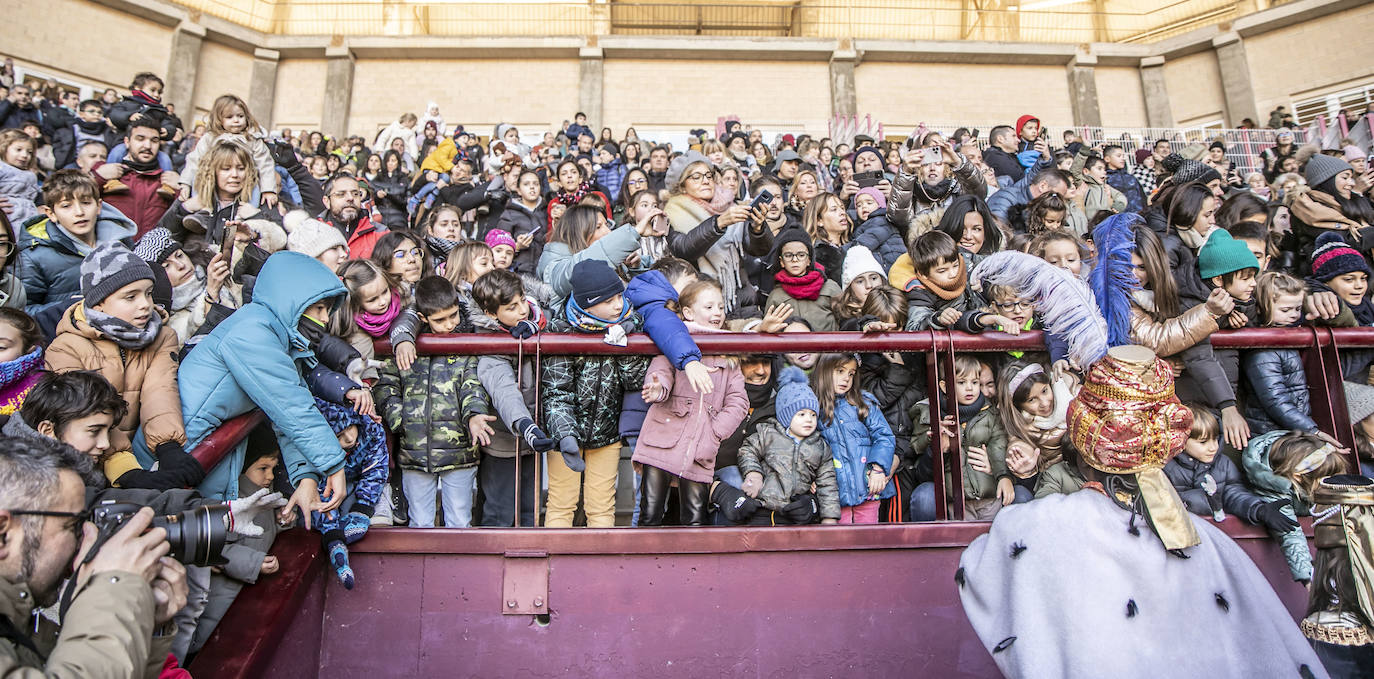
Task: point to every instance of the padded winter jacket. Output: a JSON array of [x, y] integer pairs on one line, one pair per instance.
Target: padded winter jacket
[[649, 293], [682, 434], [1187, 475], [512, 397], [146, 378], [254, 359], [50, 261], [429, 406], [582, 394], [983, 429], [881, 237], [557, 262], [908, 202], [790, 467], [1254, 461], [815, 311], [1279, 398], [857, 444]]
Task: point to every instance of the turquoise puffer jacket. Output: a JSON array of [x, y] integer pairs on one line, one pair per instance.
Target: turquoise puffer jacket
[[253, 359]]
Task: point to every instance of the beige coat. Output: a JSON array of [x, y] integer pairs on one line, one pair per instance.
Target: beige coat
[[146, 379], [109, 632]]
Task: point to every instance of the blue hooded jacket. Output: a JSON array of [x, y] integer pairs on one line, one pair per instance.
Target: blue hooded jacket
[[253, 359], [649, 293], [857, 442]]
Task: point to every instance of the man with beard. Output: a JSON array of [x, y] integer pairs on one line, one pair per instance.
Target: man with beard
[[931, 178], [137, 186], [761, 384], [342, 210], [127, 592]]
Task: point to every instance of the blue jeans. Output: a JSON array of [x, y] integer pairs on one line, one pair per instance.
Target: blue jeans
[[456, 488], [117, 154]]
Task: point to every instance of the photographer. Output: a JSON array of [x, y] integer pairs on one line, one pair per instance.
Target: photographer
[[124, 597]]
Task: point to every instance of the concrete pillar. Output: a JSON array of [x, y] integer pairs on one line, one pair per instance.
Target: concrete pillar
[[262, 90], [591, 82], [1082, 74], [1235, 78], [843, 100], [338, 90], [182, 67], [1158, 112]]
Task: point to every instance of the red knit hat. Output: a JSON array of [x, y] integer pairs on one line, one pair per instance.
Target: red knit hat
[[1021, 122]]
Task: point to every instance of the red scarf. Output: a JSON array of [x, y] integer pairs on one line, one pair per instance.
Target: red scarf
[[806, 286]]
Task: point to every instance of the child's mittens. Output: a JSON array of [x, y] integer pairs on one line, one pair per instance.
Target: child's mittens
[[533, 435], [338, 558], [244, 511], [572, 454], [1271, 516], [524, 330], [355, 526]]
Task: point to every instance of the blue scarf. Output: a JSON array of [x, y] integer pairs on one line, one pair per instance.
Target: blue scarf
[[585, 321]]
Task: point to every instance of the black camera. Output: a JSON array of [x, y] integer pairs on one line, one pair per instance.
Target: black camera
[[197, 535]]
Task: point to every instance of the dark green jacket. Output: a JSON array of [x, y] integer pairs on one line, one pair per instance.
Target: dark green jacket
[[429, 407], [983, 429], [789, 468]]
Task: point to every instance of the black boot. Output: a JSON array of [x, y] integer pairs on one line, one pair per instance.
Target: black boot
[[695, 498]]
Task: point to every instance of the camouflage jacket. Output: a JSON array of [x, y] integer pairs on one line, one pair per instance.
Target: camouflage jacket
[[429, 407], [583, 394]]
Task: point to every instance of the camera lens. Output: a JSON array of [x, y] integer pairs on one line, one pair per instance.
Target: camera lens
[[196, 536]]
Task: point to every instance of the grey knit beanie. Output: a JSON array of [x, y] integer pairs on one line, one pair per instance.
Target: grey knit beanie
[[109, 267], [673, 179], [1321, 167], [1359, 399]]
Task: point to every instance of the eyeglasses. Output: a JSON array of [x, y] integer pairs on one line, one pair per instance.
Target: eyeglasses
[[346, 194], [698, 176], [402, 254], [1013, 306], [77, 519], [795, 256], [639, 182]]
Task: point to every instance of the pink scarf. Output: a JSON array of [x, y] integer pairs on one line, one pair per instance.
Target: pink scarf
[[377, 325]]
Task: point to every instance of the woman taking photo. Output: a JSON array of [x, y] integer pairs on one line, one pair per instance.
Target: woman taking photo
[[733, 231]]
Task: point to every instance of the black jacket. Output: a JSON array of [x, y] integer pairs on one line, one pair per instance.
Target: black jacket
[[1003, 164], [393, 206], [1187, 476], [881, 237], [520, 220]]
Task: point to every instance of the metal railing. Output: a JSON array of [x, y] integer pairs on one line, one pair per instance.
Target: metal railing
[[1319, 347], [1042, 22]]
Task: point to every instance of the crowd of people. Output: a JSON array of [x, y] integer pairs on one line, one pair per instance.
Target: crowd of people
[[158, 281]]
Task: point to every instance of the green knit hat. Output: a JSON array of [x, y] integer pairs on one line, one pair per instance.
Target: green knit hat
[[1222, 254]]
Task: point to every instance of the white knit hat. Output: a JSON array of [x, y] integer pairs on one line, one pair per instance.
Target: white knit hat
[[857, 262], [310, 236], [1359, 398]]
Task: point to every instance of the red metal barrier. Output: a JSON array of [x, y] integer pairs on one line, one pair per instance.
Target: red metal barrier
[[219, 442], [1319, 346]]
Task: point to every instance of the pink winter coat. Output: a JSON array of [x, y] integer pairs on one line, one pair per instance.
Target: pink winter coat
[[682, 434]]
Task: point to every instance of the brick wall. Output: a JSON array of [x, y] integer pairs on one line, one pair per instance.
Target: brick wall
[[479, 93], [663, 93], [300, 94], [1194, 85], [1311, 58], [223, 70], [84, 40], [902, 95], [1119, 96]]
